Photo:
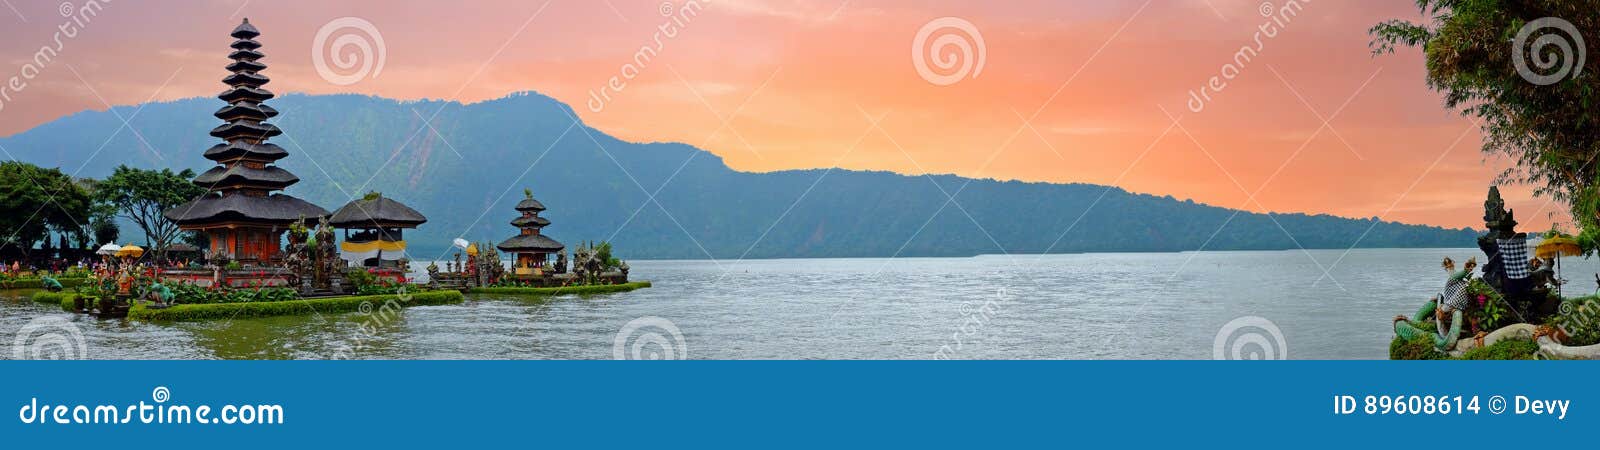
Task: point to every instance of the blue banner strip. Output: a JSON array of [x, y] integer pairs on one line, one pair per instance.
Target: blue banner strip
[[991, 404]]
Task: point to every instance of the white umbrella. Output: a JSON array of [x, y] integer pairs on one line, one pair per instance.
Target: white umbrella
[[461, 243], [108, 249]]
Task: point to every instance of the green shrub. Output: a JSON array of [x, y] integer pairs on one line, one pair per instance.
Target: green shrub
[[1580, 319], [1420, 347], [190, 294], [1505, 349], [223, 311], [563, 290], [54, 298], [35, 283], [367, 283]]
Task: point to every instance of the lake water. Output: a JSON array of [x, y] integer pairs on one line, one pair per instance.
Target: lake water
[[1090, 306]]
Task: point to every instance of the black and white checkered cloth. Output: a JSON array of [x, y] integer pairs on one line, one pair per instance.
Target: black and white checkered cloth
[[1514, 257], [1455, 294]]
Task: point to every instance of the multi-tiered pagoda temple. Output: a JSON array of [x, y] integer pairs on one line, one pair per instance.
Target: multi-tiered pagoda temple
[[533, 249], [240, 211]]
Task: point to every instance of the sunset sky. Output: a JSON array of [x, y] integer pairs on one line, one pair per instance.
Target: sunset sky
[[800, 84]]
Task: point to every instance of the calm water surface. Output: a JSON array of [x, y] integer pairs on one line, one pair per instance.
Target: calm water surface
[[1121, 306]]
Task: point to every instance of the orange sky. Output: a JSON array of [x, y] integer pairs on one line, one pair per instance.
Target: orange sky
[[1098, 78]]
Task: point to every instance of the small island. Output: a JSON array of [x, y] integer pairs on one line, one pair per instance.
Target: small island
[[591, 270], [240, 217]]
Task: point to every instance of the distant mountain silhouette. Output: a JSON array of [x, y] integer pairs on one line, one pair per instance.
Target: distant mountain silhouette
[[467, 181]]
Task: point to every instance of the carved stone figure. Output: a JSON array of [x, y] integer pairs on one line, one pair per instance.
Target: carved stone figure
[[1499, 223], [297, 258], [327, 254], [580, 263], [1508, 269]]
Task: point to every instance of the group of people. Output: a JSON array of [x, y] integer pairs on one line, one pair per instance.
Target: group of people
[[17, 267]]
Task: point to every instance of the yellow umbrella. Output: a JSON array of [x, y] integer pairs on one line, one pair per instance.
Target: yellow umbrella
[[130, 250], [472, 250], [1556, 247]]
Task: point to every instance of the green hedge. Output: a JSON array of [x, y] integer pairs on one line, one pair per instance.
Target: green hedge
[[35, 283], [54, 298], [181, 313], [579, 290]]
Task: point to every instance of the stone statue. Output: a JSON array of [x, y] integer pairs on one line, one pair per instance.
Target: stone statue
[[490, 269], [326, 255], [580, 262], [1508, 269], [1499, 223], [159, 293], [297, 258], [433, 275]]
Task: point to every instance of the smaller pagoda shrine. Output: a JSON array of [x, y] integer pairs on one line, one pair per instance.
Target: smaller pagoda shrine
[[531, 247], [373, 227]]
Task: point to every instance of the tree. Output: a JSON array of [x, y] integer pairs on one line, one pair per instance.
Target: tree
[[35, 200], [142, 195], [1520, 68], [105, 227], [101, 224]]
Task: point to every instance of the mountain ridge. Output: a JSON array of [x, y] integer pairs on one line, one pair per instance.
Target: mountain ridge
[[468, 168]]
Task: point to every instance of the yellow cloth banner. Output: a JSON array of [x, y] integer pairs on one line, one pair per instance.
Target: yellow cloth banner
[[362, 247]]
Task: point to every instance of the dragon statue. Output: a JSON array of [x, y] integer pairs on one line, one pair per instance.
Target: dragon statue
[[50, 283], [159, 293]]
